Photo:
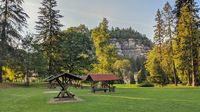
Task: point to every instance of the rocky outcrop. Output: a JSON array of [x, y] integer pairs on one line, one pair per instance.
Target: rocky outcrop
[[130, 48]]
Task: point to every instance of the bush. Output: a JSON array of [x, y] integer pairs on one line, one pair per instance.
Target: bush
[[142, 75], [146, 84], [158, 80]]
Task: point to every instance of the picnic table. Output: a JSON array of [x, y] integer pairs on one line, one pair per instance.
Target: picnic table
[[109, 89]]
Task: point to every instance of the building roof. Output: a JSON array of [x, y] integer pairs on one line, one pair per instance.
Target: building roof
[[83, 78], [67, 75], [102, 77]]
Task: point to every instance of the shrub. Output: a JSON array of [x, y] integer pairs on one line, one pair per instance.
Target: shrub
[[142, 75], [158, 80], [146, 84]]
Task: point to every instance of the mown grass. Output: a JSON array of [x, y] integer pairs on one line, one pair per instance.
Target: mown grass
[[128, 99]]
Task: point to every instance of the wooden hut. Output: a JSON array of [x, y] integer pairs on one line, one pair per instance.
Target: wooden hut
[[106, 82]]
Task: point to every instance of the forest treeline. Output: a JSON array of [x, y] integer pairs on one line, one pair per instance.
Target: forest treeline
[[129, 33], [173, 59], [51, 51]]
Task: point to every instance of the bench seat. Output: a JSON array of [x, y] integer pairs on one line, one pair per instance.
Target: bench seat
[[99, 89]]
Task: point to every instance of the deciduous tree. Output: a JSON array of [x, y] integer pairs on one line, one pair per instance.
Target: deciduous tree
[[105, 52]]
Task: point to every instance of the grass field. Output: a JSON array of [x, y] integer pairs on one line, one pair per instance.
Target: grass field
[[35, 99]]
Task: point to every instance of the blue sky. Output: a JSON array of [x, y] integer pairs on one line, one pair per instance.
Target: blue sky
[[138, 14]]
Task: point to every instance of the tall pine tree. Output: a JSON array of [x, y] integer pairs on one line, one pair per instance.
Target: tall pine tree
[[186, 40], [48, 28], [159, 37], [194, 27], [169, 34], [12, 20]]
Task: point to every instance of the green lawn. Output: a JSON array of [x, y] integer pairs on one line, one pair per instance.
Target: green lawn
[[35, 99]]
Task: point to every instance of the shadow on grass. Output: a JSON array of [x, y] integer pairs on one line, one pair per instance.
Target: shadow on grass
[[21, 85]]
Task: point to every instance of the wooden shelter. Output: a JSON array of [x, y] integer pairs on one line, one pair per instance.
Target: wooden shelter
[[106, 80], [64, 81]]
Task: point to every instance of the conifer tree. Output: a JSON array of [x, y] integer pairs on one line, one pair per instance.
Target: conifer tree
[[194, 27], [159, 37], [169, 34], [177, 10], [48, 27], [12, 20], [186, 40]]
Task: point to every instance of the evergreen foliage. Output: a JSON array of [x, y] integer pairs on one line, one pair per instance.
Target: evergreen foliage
[[159, 33], [187, 40], [76, 54], [169, 28], [12, 21], [180, 48], [142, 75], [48, 27], [129, 33]]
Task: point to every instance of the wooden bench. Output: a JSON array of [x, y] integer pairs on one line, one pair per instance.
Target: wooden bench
[[112, 89], [99, 89]]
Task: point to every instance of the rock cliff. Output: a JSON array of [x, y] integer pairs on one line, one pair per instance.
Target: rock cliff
[[130, 48]]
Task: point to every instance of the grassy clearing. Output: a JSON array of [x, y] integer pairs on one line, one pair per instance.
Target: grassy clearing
[[128, 99]]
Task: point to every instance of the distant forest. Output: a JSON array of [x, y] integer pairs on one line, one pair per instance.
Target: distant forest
[[128, 33]]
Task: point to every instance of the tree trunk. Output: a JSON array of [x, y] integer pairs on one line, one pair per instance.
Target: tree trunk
[[174, 66], [160, 51], [194, 47], [172, 53], [4, 41], [194, 70], [50, 66], [189, 78], [27, 81], [1, 73], [175, 74], [195, 56]]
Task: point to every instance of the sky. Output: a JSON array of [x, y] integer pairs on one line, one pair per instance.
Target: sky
[[138, 14]]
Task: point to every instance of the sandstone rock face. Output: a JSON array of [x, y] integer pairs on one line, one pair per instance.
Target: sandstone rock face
[[130, 48]]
